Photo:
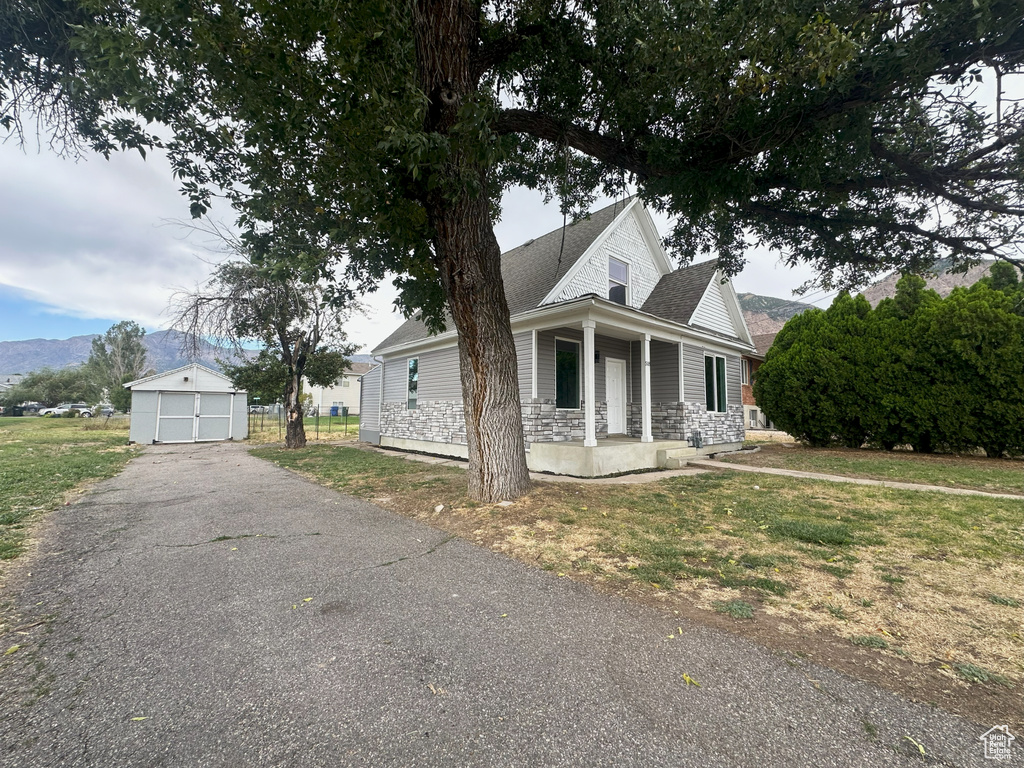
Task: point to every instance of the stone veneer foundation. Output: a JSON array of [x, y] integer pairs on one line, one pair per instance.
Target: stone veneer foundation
[[439, 421], [443, 421], [544, 423], [678, 421]]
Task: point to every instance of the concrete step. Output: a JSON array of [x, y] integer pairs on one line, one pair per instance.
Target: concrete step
[[675, 458]]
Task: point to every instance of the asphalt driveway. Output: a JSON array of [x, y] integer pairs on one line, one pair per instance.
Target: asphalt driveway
[[206, 608]]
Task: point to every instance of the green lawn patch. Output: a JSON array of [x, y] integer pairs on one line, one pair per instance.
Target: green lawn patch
[[41, 460], [994, 475]]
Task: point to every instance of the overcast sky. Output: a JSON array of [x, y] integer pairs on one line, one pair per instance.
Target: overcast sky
[[86, 244]]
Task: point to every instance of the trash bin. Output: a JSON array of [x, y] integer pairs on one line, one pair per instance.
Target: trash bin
[[334, 410], [17, 410], [344, 411]]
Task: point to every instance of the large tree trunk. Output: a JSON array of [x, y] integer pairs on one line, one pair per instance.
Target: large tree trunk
[[469, 260], [294, 432]]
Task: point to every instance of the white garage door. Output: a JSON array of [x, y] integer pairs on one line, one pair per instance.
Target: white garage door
[[186, 417]]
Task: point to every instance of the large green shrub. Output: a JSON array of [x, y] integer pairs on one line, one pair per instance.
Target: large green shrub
[[918, 370]]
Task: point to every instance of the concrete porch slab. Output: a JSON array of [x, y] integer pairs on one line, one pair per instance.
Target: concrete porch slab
[[611, 456]]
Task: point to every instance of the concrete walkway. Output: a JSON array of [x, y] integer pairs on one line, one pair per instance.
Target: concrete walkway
[[711, 464], [206, 608]]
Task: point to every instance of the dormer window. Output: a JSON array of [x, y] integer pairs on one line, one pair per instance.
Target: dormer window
[[618, 280]]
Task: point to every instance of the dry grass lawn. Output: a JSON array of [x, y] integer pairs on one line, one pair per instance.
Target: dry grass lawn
[[917, 591]]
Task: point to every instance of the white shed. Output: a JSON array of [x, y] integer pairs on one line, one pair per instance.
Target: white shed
[[187, 405]]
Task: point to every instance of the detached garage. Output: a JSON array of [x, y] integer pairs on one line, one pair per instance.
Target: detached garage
[[187, 405]]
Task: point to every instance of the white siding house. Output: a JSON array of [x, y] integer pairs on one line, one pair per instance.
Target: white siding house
[[623, 362]]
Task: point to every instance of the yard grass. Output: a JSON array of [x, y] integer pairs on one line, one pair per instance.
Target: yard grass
[[922, 577], [43, 460], [269, 428], [979, 473]]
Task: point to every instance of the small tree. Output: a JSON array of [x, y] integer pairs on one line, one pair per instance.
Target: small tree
[[811, 383], [290, 316], [117, 357]]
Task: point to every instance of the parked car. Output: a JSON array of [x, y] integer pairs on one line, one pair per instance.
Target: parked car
[[32, 407], [258, 409], [83, 410], [106, 410]]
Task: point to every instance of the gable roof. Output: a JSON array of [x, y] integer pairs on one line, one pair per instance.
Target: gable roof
[[678, 293], [530, 271], [358, 369], [173, 371], [763, 341]]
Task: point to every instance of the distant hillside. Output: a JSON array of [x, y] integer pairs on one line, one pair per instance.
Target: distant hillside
[[767, 314], [163, 353], [942, 283]]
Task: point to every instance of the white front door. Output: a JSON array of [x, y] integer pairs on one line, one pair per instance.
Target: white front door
[[615, 392]]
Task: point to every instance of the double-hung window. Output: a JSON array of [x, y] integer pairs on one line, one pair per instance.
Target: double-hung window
[[714, 383], [567, 374], [745, 371], [412, 382], [618, 280]]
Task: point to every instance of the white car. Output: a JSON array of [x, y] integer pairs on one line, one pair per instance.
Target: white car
[[83, 410]]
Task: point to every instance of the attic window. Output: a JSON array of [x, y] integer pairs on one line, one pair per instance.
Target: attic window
[[618, 280]]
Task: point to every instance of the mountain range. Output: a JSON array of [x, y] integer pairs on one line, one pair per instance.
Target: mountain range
[[767, 314], [163, 353], [941, 281]]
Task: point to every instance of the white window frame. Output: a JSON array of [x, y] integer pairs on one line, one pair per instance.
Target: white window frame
[[345, 382], [611, 279], [744, 371], [725, 395], [579, 370], [407, 398]]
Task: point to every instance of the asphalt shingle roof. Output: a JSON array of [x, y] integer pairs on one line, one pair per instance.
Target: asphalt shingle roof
[[531, 270], [763, 341], [678, 293], [534, 268]]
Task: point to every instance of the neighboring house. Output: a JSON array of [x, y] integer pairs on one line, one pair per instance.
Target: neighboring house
[[7, 381], [345, 392], [623, 363], [753, 416]]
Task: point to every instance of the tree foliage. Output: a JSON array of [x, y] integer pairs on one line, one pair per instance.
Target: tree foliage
[[54, 386], [117, 357], [300, 331], [847, 134], [918, 370]]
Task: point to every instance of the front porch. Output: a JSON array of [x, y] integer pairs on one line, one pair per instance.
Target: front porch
[[613, 455]]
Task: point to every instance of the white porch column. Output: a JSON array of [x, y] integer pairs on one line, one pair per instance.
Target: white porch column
[[645, 389], [589, 406], [682, 387]]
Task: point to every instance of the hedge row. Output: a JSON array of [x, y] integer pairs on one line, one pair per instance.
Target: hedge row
[[919, 370]]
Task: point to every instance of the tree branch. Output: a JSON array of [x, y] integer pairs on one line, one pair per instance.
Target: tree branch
[[603, 148]]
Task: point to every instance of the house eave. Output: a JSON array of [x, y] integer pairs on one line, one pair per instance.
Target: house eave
[[589, 306]]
